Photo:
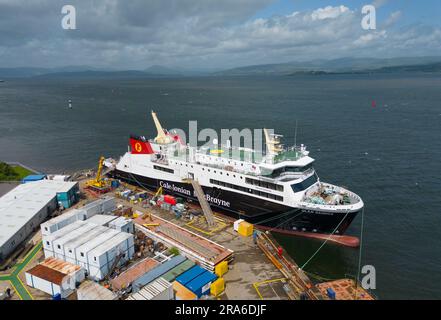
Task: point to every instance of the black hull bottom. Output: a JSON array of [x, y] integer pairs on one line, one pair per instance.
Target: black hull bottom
[[272, 216]]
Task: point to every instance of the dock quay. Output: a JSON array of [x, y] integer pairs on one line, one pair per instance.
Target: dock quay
[[165, 242]]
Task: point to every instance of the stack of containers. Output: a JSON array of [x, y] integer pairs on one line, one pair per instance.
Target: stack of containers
[[102, 258], [100, 206], [101, 219], [197, 280], [82, 251], [71, 246], [48, 240], [58, 223], [59, 243], [156, 272]]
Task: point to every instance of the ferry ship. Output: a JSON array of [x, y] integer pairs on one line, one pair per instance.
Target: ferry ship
[[277, 190]]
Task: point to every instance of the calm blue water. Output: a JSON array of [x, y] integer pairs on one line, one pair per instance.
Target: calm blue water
[[388, 154]]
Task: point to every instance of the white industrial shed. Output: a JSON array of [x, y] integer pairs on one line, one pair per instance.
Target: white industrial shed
[[55, 276], [24, 208]]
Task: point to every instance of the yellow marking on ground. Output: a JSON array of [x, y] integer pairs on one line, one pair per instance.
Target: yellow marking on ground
[[257, 284], [25, 287], [220, 222]]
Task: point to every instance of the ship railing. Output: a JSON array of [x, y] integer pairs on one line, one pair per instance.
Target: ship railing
[[160, 161]]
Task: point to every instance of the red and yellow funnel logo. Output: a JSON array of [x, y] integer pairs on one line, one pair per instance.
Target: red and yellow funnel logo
[[140, 147]]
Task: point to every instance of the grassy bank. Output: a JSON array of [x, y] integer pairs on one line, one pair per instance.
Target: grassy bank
[[12, 173]]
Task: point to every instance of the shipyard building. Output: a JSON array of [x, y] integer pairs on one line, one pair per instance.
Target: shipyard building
[[26, 206]]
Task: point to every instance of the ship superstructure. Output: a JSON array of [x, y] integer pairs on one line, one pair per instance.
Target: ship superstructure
[[278, 189]]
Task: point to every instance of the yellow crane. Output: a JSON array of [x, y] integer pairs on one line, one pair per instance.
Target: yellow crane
[[98, 182]]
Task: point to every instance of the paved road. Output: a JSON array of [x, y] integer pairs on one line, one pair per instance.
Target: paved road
[[14, 279]]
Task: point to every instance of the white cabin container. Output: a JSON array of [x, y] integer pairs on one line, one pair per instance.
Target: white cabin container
[[100, 206], [71, 246], [82, 251], [123, 224], [59, 222], [59, 243], [54, 277], [49, 239], [101, 219], [102, 257]]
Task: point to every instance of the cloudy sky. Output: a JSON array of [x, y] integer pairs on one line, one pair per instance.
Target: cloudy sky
[[212, 34]]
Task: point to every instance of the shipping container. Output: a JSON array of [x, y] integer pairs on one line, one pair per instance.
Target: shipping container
[[101, 219], [100, 206], [123, 224], [183, 293], [159, 289], [59, 243], [157, 272], [59, 222], [82, 251], [71, 246], [190, 274], [201, 284], [69, 196], [101, 259], [48, 239], [178, 270]]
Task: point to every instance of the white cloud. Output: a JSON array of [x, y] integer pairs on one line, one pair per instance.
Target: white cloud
[[211, 33], [392, 19], [328, 12], [367, 38]]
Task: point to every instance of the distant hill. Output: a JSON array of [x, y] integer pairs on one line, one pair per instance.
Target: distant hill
[[99, 74], [21, 72], [313, 67], [342, 65], [156, 69]]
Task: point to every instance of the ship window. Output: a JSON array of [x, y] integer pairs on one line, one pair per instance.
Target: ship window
[[264, 184], [305, 184], [243, 189], [163, 169]]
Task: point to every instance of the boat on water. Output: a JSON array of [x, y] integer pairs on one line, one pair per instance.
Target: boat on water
[[277, 190]]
